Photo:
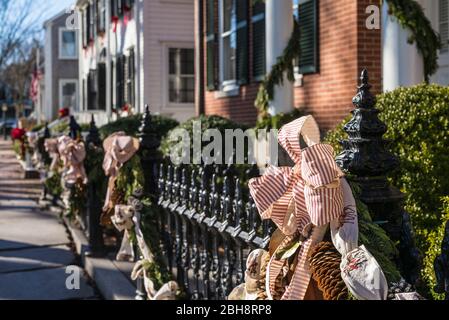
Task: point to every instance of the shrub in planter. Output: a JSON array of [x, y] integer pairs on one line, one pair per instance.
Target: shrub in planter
[[418, 128], [130, 125]]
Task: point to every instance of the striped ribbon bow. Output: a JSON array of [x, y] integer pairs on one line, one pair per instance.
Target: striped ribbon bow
[[303, 199]]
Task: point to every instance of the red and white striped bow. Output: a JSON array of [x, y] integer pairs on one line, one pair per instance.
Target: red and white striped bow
[[300, 199]]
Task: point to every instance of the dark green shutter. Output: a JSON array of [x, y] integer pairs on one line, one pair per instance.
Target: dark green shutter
[[102, 86], [114, 8], [119, 82], [308, 22], [211, 47], [242, 41], [259, 41], [131, 78]]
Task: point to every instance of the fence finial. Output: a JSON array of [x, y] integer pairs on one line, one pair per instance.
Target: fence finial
[[366, 157], [94, 136], [75, 129], [148, 135], [47, 134]]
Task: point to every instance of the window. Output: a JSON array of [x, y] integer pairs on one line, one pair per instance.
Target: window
[[181, 87], [67, 44], [68, 94], [228, 41], [444, 25], [233, 43], [211, 47]]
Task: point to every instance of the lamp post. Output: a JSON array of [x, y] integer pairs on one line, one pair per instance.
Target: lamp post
[[4, 110]]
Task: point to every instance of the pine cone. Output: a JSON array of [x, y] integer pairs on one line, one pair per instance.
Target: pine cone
[[325, 268]]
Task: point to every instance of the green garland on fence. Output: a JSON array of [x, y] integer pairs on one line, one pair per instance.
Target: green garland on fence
[[375, 239], [283, 65], [411, 16]]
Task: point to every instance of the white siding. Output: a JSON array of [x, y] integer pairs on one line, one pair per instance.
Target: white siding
[[166, 22]]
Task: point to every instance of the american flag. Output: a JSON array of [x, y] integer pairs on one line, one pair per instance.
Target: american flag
[[35, 87]]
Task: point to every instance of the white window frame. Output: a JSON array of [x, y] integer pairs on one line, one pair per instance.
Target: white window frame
[[62, 83], [229, 87], [61, 32], [166, 76]]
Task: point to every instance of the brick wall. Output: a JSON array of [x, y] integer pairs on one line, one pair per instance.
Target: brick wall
[[345, 45]]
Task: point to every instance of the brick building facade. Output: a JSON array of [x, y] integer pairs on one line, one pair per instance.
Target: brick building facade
[[336, 45]]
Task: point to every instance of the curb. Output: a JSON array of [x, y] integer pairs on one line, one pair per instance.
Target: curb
[[110, 280]]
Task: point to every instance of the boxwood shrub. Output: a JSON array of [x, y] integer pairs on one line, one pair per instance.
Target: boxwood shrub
[[418, 131]]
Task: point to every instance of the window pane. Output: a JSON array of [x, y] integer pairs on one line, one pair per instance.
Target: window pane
[[229, 55], [68, 45], [69, 96], [181, 75], [187, 61], [228, 15]]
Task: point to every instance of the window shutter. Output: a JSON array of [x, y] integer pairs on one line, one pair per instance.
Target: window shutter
[[444, 25], [119, 7], [101, 9], [211, 47], [242, 41], [102, 86], [114, 7], [119, 80], [85, 29], [259, 41], [308, 22], [131, 78], [92, 18]]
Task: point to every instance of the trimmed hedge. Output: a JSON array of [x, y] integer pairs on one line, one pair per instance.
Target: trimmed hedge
[[130, 125], [418, 121]]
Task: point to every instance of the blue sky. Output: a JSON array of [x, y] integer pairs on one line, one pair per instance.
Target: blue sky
[[54, 7]]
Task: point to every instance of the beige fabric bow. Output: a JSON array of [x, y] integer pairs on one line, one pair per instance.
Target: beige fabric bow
[[119, 148], [122, 220], [51, 146], [73, 154]]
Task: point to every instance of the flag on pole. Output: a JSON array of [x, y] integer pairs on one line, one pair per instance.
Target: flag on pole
[[35, 85]]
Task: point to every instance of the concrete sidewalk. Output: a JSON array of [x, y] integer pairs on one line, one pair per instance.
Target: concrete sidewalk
[[34, 244]]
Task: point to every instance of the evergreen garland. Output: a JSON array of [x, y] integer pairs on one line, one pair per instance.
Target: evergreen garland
[[411, 16]]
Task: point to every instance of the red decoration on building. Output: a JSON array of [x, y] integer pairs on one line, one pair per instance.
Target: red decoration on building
[[64, 112]]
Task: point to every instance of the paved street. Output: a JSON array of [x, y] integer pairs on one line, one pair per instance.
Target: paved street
[[34, 245]]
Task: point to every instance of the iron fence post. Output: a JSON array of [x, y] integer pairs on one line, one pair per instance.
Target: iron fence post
[[94, 229], [365, 156]]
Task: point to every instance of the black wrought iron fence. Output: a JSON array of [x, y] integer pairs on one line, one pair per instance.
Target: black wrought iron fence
[[210, 225]]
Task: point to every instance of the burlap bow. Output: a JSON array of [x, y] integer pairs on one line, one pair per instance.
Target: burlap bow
[[122, 220], [119, 148], [303, 199], [73, 154], [51, 146]]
